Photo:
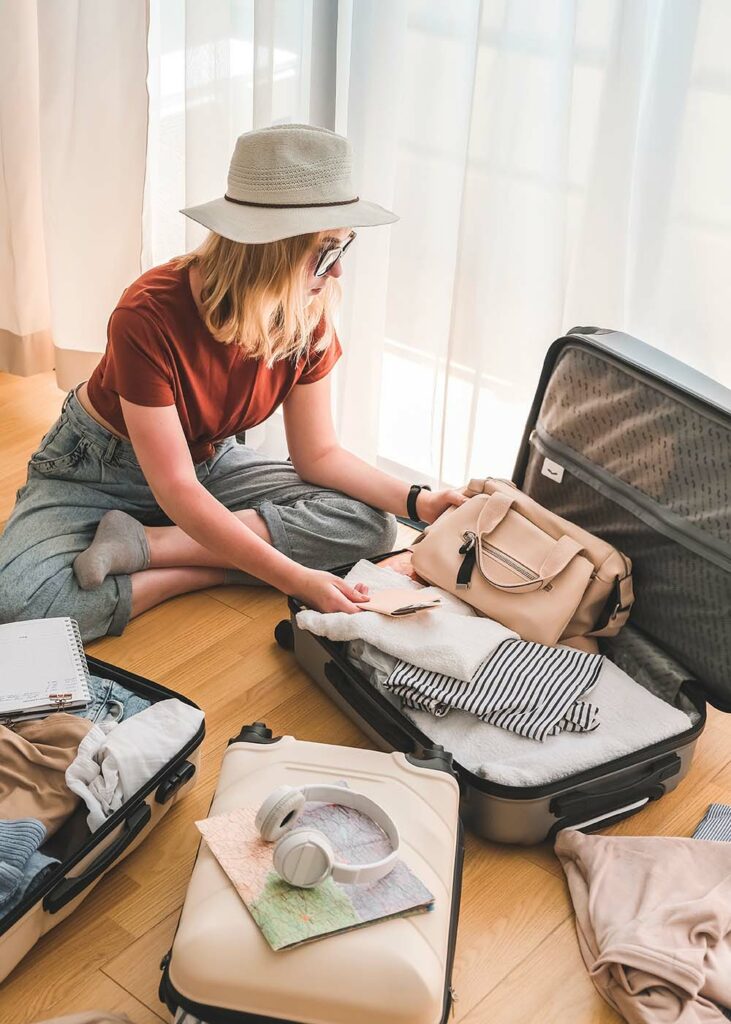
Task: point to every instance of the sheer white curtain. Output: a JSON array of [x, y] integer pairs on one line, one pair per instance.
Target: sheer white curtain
[[554, 163], [72, 156]]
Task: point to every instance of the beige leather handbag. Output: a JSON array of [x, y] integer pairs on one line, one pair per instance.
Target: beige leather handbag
[[526, 567]]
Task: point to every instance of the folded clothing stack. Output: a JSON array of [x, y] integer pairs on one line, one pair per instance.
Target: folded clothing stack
[[116, 758], [22, 866], [630, 717], [524, 687], [450, 658], [450, 639]]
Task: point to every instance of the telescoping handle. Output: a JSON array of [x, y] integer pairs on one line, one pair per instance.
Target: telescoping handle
[[609, 801], [69, 888]]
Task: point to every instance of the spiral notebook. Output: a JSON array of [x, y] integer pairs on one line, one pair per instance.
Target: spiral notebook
[[42, 668]]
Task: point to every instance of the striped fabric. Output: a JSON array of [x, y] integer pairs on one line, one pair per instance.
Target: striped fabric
[[716, 825], [524, 687]]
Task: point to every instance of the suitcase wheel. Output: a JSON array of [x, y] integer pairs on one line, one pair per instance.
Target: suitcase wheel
[[257, 732], [284, 634]]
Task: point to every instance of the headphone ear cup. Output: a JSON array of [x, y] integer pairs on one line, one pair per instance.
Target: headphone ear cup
[[279, 812], [303, 857]]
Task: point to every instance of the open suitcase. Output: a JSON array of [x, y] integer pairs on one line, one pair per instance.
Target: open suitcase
[[635, 447], [92, 855], [221, 970]]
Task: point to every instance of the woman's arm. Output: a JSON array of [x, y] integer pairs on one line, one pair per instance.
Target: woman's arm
[[162, 452], [318, 458]]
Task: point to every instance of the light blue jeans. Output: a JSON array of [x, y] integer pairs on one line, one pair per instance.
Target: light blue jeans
[[80, 471], [111, 700]]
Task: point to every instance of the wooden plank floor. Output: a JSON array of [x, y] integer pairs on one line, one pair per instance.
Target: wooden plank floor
[[517, 956]]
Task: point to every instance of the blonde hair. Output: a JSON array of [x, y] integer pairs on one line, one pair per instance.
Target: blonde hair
[[254, 295]]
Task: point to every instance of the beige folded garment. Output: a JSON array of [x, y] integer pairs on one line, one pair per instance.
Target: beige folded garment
[[653, 918], [34, 757]]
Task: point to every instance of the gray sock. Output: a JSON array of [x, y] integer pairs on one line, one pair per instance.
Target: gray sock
[[119, 547]]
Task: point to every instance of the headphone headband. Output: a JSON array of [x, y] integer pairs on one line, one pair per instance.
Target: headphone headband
[[350, 874], [277, 819]]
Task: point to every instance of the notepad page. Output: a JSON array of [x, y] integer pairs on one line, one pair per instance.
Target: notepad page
[[38, 658]]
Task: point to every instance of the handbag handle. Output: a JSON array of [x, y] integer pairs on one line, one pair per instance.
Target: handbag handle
[[493, 512], [563, 551]]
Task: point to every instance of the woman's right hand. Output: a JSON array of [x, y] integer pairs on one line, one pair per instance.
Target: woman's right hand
[[326, 592]]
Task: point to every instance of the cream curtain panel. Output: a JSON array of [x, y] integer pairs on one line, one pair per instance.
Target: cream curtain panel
[[73, 114]]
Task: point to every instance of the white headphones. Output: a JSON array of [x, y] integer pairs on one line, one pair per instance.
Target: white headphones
[[304, 856]]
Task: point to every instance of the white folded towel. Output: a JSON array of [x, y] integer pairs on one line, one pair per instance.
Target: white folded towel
[[115, 760], [450, 639], [632, 718]]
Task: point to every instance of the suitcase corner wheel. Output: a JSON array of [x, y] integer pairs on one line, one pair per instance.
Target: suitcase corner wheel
[[256, 732], [284, 634]]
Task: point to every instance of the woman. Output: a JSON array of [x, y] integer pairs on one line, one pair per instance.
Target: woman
[[140, 491]]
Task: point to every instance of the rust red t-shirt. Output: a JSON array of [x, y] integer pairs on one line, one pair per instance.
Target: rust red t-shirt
[[159, 352]]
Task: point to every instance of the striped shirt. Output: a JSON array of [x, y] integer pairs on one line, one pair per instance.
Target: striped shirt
[[716, 824], [524, 687]]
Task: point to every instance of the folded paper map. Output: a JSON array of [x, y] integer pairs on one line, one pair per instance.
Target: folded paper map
[[288, 916]]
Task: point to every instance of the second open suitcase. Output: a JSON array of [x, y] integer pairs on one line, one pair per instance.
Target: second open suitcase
[[635, 447], [84, 856]]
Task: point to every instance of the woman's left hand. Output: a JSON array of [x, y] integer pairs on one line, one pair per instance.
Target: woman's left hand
[[431, 504]]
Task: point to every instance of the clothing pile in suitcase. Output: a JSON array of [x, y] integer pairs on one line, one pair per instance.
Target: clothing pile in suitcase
[[625, 716], [73, 789], [634, 448]]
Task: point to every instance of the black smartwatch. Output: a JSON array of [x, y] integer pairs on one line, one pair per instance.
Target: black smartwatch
[[411, 500]]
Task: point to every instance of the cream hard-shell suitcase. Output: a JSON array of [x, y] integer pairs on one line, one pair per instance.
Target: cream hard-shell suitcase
[[222, 971]]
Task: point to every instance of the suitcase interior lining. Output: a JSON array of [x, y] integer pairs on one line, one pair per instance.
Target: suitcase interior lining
[[668, 508]]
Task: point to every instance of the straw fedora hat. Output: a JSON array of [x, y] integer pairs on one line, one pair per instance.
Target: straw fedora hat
[[290, 179]]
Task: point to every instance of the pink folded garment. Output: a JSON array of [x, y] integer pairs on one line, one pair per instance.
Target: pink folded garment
[[653, 918]]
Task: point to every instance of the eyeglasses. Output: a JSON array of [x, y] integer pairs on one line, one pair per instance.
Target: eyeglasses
[[330, 257]]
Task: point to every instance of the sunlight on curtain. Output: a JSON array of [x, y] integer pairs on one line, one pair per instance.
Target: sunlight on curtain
[[554, 163], [216, 69]]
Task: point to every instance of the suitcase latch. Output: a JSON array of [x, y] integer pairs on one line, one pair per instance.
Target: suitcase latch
[[169, 786]]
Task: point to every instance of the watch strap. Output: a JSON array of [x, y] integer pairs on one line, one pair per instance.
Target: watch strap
[[411, 500]]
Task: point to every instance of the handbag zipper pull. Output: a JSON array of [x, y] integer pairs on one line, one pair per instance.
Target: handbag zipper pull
[[469, 550]]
